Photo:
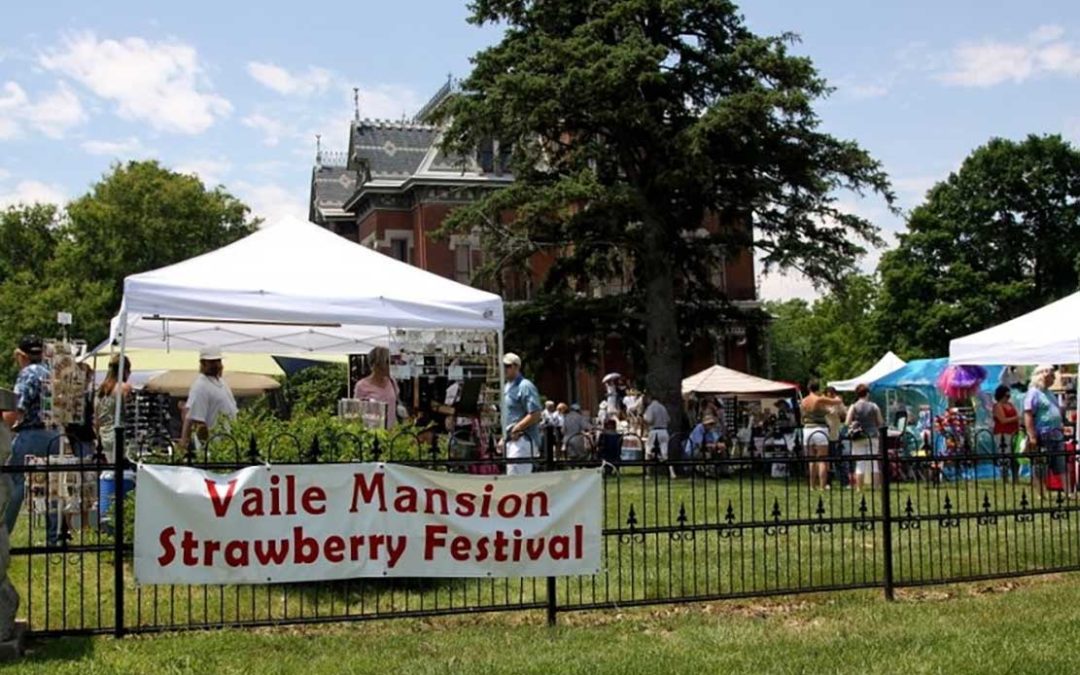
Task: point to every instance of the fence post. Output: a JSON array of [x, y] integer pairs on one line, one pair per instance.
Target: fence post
[[118, 531], [886, 513], [552, 604]]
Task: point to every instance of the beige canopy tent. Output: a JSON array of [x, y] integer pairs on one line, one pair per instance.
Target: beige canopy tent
[[186, 359], [178, 383], [720, 380]]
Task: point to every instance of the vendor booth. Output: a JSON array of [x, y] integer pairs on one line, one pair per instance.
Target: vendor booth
[[295, 289], [922, 416], [768, 398], [886, 365], [1050, 334]]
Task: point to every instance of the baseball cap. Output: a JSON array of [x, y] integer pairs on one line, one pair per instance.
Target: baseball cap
[[210, 353], [31, 345], [511, 359]]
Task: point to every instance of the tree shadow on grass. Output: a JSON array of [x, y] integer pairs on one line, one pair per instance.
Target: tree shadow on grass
[[45, 650]]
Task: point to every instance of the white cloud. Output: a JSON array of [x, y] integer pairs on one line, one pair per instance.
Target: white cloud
[[294, 124], [52, 114], [32, 192], [789, 285], [271, 201], [911, 190], [209, 170], [313, 81], [865, 91], [388, 101], [272, 129], [160, 83], [1043, 52], [122, 149]]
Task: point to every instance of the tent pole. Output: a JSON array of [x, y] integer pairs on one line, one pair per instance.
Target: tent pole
[[118, 486], [123, 352], [502, 384]]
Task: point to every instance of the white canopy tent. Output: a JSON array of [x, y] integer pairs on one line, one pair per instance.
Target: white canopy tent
[[721, 380], [1050, 334], [890, 363], [294, 289]]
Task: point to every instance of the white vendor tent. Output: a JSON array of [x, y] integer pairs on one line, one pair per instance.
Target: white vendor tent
[[890, 363], [721, 380], [1050, 334], [294, 288]]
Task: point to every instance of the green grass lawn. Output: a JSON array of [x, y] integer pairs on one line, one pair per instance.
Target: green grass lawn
[[64, 592], [1031, 626]]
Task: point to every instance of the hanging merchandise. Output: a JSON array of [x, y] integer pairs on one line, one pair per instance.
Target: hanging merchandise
[[146, 416], [64, 396], [961, 382]]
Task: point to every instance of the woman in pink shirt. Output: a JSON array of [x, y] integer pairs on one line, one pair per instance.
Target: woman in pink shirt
[[379, 386]]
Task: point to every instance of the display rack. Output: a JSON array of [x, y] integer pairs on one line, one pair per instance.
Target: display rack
[[425, 362]]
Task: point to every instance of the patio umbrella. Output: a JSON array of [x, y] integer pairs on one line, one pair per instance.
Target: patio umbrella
[[178, 382]]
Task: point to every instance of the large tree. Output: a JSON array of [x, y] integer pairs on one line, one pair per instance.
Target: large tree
[[997, 238], [833, 338], [629, 123], [139, 216]]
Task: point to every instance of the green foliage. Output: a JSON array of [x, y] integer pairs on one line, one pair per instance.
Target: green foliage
[[998, 238], [630, 123], [834, 338], [139, 216], [317, 389], [283, 441]]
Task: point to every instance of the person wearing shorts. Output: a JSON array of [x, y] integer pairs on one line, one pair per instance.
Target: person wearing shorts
[[815, 410], [864, 421], [1043, 425]]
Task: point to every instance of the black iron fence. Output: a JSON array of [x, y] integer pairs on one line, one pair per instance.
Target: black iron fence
[[707, 523]]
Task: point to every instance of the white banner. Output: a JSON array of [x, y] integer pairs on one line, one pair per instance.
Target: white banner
[[339, 521]]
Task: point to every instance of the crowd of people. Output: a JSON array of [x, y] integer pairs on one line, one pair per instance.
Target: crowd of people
[[209, 402], [627, 421]]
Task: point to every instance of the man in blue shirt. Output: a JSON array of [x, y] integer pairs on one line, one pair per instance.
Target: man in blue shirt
[[522, 413], [28, 423], [704, 440]]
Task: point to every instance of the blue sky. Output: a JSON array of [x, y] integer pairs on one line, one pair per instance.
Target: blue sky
[[235, 92]]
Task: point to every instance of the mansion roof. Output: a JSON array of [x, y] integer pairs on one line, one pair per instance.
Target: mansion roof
[[387, 156]]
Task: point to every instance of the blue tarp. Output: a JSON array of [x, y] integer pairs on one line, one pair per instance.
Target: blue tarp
[[924, 373], [920, 378]]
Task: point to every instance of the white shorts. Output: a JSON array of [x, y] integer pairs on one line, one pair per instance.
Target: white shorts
[[658, 436], [864, 447], [815, 437], [519, 449]]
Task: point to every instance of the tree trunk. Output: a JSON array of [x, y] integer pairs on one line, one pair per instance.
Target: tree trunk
[[663, 346]]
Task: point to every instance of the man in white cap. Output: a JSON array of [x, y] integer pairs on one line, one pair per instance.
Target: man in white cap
[[522, 413], [210, 398]]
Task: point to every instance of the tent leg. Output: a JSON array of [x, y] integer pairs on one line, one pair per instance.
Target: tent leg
[[502, 384], [123, 353]]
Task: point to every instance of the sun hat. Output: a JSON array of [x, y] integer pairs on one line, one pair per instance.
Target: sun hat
[[210, 353]]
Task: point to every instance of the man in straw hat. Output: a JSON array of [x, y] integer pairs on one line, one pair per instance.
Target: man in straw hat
[[210, 399], [703, 439]]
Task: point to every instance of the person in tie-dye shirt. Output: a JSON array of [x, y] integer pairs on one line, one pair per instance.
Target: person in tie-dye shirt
[[1043, 424]]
